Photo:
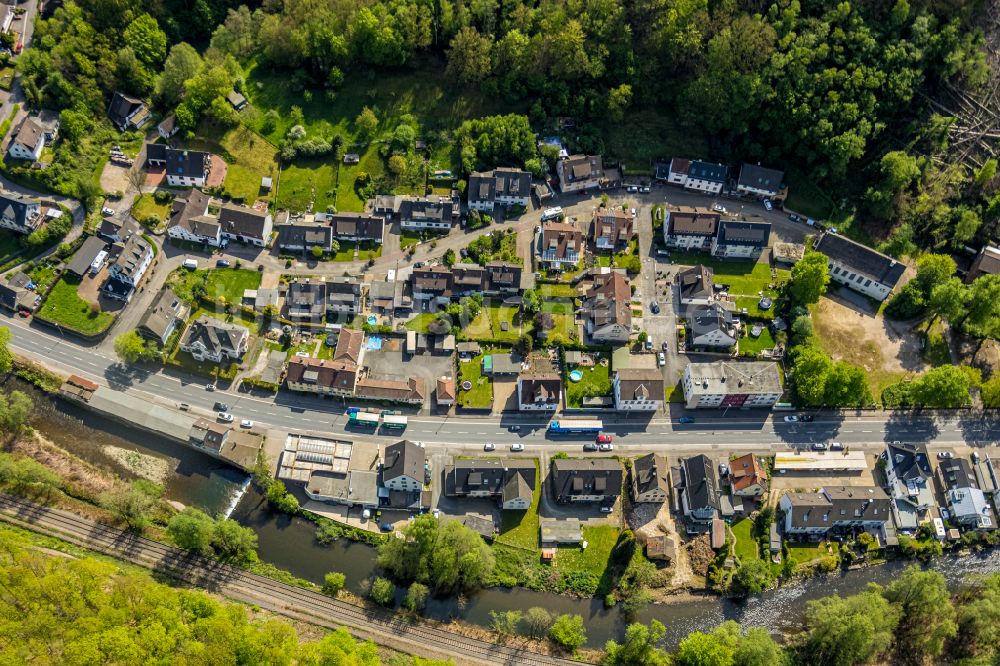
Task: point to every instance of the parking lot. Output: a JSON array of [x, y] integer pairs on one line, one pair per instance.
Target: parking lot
[[394, 364]]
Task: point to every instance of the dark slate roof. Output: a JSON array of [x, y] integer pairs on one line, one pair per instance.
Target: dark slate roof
[[756, 234], [708, 318], [14, 290], [167, 309], [306, 234], [761, 178], [116, 287], [715, 173], [490, 474], [357, 225], [186, 163], [243, 221], [696, 282], [540, 388], [956, 473], [404, 458], [306, 298], [650, 473], [587, 476], [15, 207], [214, 334], [122, 106], [910, 461], [861, 259], [839, 504], [415, 208], [156, 152], [84, 257], [499, 182], [701, 483]]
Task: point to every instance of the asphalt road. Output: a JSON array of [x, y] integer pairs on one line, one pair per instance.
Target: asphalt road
[[734, 429]]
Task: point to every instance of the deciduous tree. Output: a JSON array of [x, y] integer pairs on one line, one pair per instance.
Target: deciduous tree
[[810, 278]]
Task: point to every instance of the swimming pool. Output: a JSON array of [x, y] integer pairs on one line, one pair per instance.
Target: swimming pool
[[575, 376], [372, 320], [374, 343]]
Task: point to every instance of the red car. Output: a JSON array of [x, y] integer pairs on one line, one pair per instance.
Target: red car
[[604, 439]]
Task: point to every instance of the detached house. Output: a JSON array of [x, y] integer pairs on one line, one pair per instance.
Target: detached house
[[246, 225], [696, 285], [208, 339], [741, 240], [966, 502], [336, 376], [539, 392], [613, 228], [31, 138], [649, 479], [699, 496], [560, 246], [761, 181], [511, 482], [689, 228], [127, 112], [987, 262], [580, 172], [507, 187], [697, 175], [187, 168], [909, 482], [19, 213], [162, 319], [403, 466], [435, 213], [859, 267], [607, 308], [747, 476], [711, 326], [131, 259], [638, 390], [190, 221], [588, 480]]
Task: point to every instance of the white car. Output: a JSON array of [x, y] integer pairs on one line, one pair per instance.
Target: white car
[[606, 446], [718, 208], [246, 423], [791, 419], [767, 204], [517, 447], [819, 446], [631, 188], [661, 359], [644, 189], [225, 416], [490, 446], [107, 211]]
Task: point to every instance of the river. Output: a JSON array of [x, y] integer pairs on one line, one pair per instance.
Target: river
[[199, 480]]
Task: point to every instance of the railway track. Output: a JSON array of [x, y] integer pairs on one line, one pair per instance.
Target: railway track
[[279, 597]]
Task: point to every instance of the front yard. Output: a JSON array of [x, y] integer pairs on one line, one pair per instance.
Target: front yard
[[219, 283], [64, 306], [596, 382], [480, 395], [145, 206], [420, 322]]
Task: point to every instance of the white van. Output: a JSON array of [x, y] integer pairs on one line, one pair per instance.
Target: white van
[[552, 213], [190, 264]]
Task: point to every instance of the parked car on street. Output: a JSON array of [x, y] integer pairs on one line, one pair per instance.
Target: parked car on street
[[794, 218], [836, 446], [819, 446], [225, 417], [661, 359], [221, 407], [686, 419], [607, 446], [222, 263], [490, 446], [604, 439], [107, 211], [945, 455], [791, 418], [590, 446], [209, 387], [517, 447], [246, 423], [767, 204], [806, 417], [644, 189]]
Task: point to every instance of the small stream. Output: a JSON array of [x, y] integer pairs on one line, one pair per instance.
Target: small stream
[[196, 479]]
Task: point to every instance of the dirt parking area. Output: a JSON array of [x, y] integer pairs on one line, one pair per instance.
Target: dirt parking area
[[114, 178], [504, 394], [888, 351]]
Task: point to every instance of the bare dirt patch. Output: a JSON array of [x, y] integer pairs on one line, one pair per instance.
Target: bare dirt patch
[[888, 351], [114, 178]]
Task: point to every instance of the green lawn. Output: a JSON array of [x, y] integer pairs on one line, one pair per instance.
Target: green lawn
[[591, 562], [546, 290], [563, 319], [747, 548], [42, 274], [9, 242], [228, 283], [596, 382], [369, 250], [675, 393], [803, 553], [420, 322], [306, 181], [753, 346], [408, 239], [248, 156], [346, 251], [520, 528], [145, 205], [65, 307], [6, 77], [487, 324], [743, 277], [480, 396]]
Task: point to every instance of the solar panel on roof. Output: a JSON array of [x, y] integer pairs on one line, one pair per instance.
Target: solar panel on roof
[[316, 447], [318, 458]]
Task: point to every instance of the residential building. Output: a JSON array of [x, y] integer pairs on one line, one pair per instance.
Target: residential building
[[987, 477], [209, 435], [741, 240], [649, 479], [507, 187], [156, 155], [389, 296], [127, 112], [613, 228], [86, 258], [321, 376], [28, 142], [607, 308], [343, 296], [431, 284], [263, 298], [496, 365], [467, 279], [725, 384], [434, 213], [209, 339], [678, 170], [699, 494], [859, 267], [586, 480], [162, 319], [987, 262], [445, 392], [510, 481], [967, 504], [126, 268], [689, 228], [354, 227], [190, 221], [539, 391], [838, 507], [187, 168], [560, 246], [696, 285], [703, 176], [403, 467], [747, 476], [306, 301], [909, 483], [245, 224], [114, 231], [19, 213], [580, 172], [410, 391], [504, 277], [167, 127], [303, 235], [711, 326], [333, 471], [419, 343], [17, 293], [761, 181], [638, 390]]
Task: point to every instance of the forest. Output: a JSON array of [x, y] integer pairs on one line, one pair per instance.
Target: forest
[[837, 93]]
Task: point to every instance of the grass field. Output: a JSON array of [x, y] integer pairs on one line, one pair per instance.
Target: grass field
[[42, 274], [596, 382], [589, 563], [753, 346], [305, 182], [248, 158], [480, 396], [228, 283], [420, 322], [520, 528], [743, 277], [65, 307], [369, 250], [747, 548], [546, 290], [408, 239], [803, 553], [145, 205], [345, 252]]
